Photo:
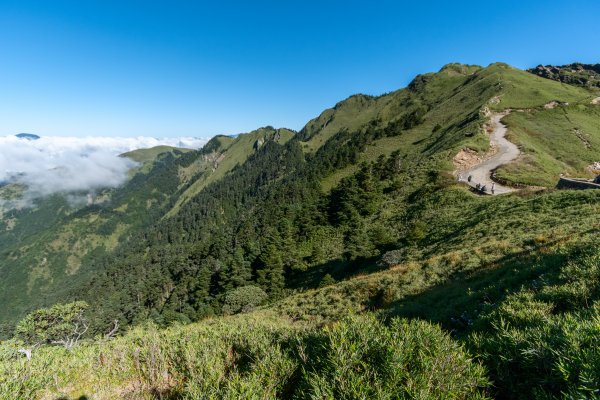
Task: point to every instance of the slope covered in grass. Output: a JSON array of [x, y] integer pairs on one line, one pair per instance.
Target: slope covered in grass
[[561, 141], [256, 356], [531, 320], [48, 248], [147, 157]]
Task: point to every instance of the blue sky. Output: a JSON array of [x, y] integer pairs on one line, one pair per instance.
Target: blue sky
[[177, 68]]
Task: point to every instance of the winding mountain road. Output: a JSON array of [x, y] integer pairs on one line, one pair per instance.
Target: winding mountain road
[[505, 152]]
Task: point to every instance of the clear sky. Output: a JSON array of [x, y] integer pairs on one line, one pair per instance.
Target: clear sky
[[194, 68]]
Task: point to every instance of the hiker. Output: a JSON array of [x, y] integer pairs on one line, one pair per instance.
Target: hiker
[[493, 187], [469, 178]]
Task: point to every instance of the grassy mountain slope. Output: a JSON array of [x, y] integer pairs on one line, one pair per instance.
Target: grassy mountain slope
[[269, 221], [533, 297], [147, 157], [49, 249], [563, 140], [356, 213], [238, 221]]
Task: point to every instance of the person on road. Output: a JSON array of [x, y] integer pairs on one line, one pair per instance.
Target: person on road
[[493, 187], [469, 178]]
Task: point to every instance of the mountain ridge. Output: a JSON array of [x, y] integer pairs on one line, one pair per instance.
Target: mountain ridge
[[427, 123]]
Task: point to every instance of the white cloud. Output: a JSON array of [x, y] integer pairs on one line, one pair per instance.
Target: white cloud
[[73, 164]]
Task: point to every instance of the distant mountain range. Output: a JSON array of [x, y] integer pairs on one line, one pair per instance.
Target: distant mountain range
[[27, 136]]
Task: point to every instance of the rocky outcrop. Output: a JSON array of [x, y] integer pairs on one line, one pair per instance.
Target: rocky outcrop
[[258, 144], [587, 75]]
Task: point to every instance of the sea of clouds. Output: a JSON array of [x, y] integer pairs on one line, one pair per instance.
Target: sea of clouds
[[73, 164]]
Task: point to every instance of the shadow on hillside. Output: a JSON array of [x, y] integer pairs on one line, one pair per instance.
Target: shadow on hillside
[[457, 303], [68, 398], [338, 269], [161, 394]]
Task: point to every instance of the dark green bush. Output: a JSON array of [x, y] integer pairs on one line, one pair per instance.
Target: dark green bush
[[243, 299]]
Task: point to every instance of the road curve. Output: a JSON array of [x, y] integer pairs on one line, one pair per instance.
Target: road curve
[[505, 152]]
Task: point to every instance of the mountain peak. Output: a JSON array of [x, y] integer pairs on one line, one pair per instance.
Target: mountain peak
[[27, 136]]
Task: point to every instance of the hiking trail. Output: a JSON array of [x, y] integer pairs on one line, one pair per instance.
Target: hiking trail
[[505, 152]]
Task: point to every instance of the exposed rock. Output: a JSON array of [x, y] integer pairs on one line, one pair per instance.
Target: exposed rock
[[587, 75], [581, 136], [495, 100], [258, 144], [465, 159], [595, 167]]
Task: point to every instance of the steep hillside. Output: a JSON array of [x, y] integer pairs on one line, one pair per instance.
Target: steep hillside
[[315, 206], [49, 247], [225, 154], [147, 157]]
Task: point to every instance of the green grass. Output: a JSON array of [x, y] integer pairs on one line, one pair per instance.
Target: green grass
[[541, 341], [563, 140], [507, 276], [147, 157], [519, 89], [251, 357], [481, 240], [459, 93], [503, 274]]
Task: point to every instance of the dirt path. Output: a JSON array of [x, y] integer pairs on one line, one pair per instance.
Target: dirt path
[[505, 153]]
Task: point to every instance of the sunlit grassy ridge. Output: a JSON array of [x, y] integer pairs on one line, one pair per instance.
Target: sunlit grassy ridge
[[449, 107], [147, 157], [467, 238], [563, 140]]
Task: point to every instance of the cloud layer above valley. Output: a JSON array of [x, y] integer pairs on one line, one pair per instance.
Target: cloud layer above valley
[[72, 164]]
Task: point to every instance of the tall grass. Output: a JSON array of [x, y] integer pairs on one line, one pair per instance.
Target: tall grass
[[253, 357]]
